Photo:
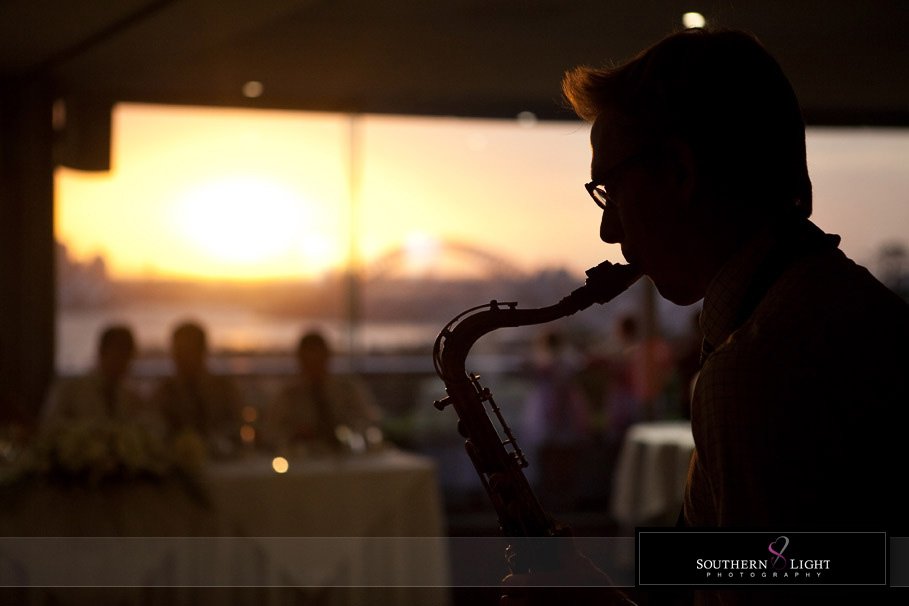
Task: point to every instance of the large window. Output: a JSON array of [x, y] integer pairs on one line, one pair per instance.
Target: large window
[[249, 220]]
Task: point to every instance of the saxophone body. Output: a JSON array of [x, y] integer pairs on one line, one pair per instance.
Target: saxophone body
[[497, 457]]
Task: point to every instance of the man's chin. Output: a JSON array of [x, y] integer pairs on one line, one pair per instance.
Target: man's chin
[[676, 292]]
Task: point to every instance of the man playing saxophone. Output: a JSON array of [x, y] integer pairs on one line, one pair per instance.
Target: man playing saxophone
[[699, 169]]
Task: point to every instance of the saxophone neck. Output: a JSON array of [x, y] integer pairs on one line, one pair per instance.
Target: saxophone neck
[[459, 335], [604, 282]]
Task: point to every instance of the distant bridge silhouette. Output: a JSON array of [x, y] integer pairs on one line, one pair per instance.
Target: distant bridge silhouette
[[486, 263]]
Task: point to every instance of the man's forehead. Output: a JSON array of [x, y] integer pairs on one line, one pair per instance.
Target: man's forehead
[[611, 130], [611, 139]]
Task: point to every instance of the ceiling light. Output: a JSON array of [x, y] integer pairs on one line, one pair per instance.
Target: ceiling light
[[692, 20]]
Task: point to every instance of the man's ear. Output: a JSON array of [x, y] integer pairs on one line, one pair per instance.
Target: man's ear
[[682, 170]]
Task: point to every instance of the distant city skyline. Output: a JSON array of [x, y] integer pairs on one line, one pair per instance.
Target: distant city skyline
[[222, 194], [393, 289]]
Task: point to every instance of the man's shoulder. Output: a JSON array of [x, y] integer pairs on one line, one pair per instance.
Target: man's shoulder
[[822, 309], [831, 291]]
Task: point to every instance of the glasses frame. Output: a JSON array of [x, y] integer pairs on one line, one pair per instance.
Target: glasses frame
[[597, 188]]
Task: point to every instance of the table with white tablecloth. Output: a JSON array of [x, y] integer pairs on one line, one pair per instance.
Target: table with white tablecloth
[[343, 522], [352, 521], [651, 471]]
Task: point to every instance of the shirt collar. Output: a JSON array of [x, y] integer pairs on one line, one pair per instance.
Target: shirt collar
[[755, 266], [726, 292]]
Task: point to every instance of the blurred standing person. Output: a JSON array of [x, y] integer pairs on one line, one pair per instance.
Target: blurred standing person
[[556, 420], [639, 375], [193, 398], [652, 369], [321, 409], [103, 393], [555, 411], [623, 408]]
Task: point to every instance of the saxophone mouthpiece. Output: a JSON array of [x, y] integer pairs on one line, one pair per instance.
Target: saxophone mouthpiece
[[605, 282]]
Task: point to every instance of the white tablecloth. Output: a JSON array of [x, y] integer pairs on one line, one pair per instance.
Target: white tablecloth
[[650, 476]]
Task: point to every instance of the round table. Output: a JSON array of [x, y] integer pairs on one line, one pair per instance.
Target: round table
[[651, 471]]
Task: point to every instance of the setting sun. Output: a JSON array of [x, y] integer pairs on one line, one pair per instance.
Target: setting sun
[[242, 220]]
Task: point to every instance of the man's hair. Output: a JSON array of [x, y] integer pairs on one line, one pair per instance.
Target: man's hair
[[117, 336], [723, 94]]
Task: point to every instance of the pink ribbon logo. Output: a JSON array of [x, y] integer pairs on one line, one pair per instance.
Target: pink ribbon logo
[[777, 548]]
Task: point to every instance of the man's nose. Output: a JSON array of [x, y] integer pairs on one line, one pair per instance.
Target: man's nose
[[611, 227]]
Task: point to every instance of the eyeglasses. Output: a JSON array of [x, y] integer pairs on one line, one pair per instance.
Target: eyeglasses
[[599, 194], [598, 191]]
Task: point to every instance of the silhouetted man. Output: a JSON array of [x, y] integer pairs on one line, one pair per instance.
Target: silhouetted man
[[699, 168]]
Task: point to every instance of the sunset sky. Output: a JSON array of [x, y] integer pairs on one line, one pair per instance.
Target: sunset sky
[[251, 194]]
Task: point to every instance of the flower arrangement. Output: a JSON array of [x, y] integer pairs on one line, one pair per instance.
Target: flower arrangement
[[94, 453]]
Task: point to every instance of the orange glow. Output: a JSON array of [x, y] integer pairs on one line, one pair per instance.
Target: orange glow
[[241, 194], [208, 193]]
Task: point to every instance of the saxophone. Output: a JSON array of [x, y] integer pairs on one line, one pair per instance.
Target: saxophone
[[499, 460]]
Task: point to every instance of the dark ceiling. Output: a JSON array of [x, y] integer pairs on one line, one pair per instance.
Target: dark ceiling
[[847, 60]]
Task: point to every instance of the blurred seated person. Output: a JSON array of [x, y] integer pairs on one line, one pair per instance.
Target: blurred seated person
[[319, 409], [193, 399], [103, 394]]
